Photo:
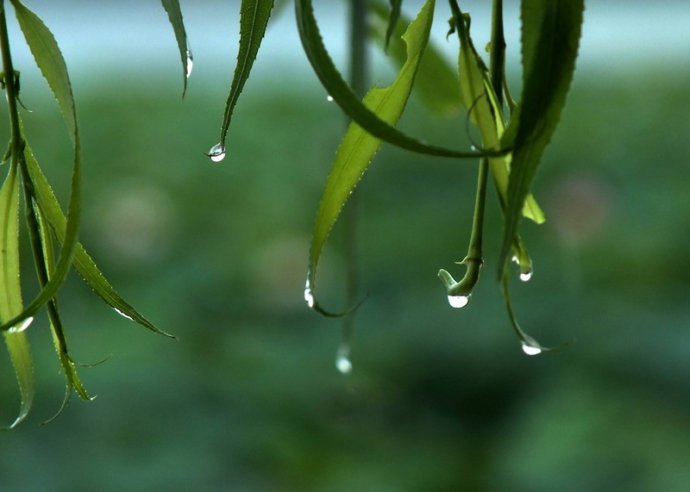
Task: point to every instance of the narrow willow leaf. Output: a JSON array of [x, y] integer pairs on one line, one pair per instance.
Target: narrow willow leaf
[[436, 82], [550, 37], [50, 209], [341, 93], [254, 16], [396, 6], [358, 147], [10, 291], [529, 345], [481, 102], [172, 7], [49, 60]]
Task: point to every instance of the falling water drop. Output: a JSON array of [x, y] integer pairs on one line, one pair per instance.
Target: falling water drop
[[190, 63], [458, 301], [329, 98], [525, 276], [308, 295], [531, 349], [342, 360], [21, 326], [124, 315], [217, 152]]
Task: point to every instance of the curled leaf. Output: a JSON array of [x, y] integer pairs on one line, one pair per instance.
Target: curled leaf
[[358, 147]]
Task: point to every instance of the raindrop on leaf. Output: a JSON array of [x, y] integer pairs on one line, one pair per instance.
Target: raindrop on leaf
[[217, 152], [21, 326], [308, 295], [525, 276], [531, 349], [329, 98], [342, 360], [190, 63], [458, 301], [124, 315]]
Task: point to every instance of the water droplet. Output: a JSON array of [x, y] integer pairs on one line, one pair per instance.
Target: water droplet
[[515, 259], [473, 148], [329, 98], [342, 360], [190, 63], [308, 295], [21, 326], [525, 276], [531, 349], [217, 152], [458, 301], [124, 315]]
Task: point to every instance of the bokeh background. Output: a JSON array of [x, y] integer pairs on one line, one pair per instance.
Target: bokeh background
[[248, 398]]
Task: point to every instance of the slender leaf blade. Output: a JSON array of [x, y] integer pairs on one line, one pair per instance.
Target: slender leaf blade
[[551, 32], [254, 17], [396, 6], [172, 7], [342, 94], [10, 291], [358, 147], [85, 266], [47, 55]]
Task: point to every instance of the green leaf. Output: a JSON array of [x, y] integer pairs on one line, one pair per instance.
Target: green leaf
[[529, 345], [358, 147], [254, 16], [49, 60], [396, 6], [172, 7], [436, 82], [341, 93], [479, 98], [50, 210], [550, 37], [10, 291]]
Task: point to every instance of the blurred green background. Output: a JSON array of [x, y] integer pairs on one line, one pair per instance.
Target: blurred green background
[[248, 398]]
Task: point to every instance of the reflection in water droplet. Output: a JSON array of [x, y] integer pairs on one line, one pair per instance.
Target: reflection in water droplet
[[217, 152], [123, 314], [342, 360], [531, 349], [308, 295], [329, 98], [525, 276], [21, 326], [190, 63], [458, 301]]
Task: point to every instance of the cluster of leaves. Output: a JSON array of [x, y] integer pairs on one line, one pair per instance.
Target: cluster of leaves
[[513, 138]]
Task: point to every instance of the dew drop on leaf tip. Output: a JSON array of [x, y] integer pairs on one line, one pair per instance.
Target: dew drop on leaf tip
[[217, 152], [531, 349], [526, 276], [308, 295], [329, 98], [458, 301]]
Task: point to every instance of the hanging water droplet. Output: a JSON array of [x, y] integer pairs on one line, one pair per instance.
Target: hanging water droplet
[[531, 349], [342, 360], [458, 301], [190, 63], [329, 98], [525, 276], [124, 315], [217, 152], [308, 295], [21, 326], [473, 148]]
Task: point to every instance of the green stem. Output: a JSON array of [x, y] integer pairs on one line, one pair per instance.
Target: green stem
[[11, 87]]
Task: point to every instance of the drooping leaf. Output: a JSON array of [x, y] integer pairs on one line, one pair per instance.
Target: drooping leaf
[[550, 37], [358, 147], [254, 16], [50, 209], [343, 95], [436, 82], [396, 6], [479, 98], [45, 51], [172, 7], [529, 345], [10, 291]]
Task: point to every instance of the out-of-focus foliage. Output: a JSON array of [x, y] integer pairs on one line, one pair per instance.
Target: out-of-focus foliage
[[248, 398]]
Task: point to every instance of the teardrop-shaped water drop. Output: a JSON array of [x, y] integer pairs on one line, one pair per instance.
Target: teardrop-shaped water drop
[[217, 152], [531, 349], [329, 98], [308, 295], [342, 360], [526, 276], [21, 326], [458, 301], [190, 63]]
